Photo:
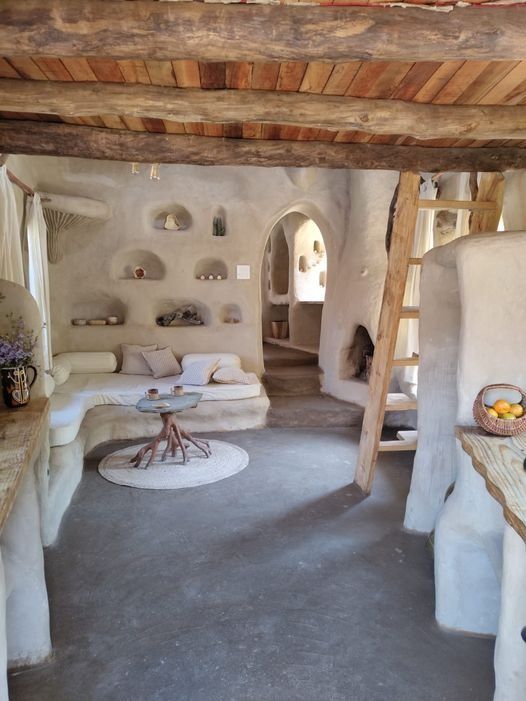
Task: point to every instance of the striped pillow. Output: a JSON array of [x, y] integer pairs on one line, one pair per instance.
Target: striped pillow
[[162, 363], [199, 373]]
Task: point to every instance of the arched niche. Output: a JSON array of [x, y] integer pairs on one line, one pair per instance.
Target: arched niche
[[279, 262], [174, 218], [167, 307], [215, 267], [125, 262]]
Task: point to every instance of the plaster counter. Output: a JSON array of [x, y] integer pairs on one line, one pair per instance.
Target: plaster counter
[[500, 461], [24, 620]]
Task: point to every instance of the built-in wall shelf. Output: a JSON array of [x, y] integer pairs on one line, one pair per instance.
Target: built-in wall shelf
[[126, 262], [319, 301], [211, 266], [287, 343]]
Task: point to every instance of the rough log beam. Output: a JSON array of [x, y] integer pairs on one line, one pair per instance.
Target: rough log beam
[[241, 32], [50, 139], [319, 111]]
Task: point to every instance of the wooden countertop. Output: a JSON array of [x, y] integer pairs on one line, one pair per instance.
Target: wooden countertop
[[20, 431], [500, 460]]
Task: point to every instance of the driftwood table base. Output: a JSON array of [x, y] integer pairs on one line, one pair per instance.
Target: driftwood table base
[[175, 438]]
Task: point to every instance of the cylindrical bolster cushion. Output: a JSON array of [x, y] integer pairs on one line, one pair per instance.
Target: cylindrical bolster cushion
[[226, 360], [88, 362]]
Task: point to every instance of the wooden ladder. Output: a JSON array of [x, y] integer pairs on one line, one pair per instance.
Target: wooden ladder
[[486, 208]]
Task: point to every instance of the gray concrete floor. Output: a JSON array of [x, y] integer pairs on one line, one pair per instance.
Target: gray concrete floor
[[277, 584]]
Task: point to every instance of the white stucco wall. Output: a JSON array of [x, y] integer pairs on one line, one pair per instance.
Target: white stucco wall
[[349, 207]]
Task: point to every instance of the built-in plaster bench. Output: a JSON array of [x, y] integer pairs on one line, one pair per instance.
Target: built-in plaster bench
[[91, 408]]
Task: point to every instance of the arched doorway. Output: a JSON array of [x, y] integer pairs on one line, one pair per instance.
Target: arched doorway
[[293, 283]]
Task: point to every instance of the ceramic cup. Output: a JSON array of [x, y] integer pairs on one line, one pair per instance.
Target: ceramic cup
[[178, 390], [152, 393]]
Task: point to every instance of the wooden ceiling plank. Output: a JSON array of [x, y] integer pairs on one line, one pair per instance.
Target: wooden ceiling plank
[[252, 130], [233, 131], [290, 75], [106, 70], [36, 138], [133, 123], [174, 127], [366, 76], [7, 70], [389, 80], [213, 130], [265, 76], [238, 75], [211, 32], [27, 68], [53, 69], [384, 117], [316, 77], [160, 72], [92, 121], [415, 79], [155, 126], [465, 75], [112, 121], [488, 79], [434, 85], [341, 78], [194, 129], [79, 69], [187, 73], [212, 75], [508, 91], [134, 72]]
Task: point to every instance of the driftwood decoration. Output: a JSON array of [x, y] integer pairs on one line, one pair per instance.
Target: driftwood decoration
[[62, 213]]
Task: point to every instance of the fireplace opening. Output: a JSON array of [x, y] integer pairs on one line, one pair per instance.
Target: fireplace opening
[[358, 356]]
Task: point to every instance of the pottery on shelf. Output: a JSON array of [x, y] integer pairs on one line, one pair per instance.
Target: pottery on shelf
[[97, 322], [79, 322], [15, 385], [172, 222], [139, 272], [112, 320]]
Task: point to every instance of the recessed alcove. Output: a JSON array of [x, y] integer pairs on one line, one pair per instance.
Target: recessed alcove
[[125, 262], [356, 359], [174, 218], [100, 306], [231, 314], [219, 229], [170, 306], [211, 266]]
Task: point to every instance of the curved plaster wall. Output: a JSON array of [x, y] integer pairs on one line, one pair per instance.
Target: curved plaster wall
[[349, 207]]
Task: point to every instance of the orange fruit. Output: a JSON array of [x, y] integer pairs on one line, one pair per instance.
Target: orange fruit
[[491, 411], [508, 416], [501, 406], [517, 410]]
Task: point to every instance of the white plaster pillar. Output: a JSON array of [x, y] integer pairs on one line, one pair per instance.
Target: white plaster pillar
[[510, 648], [27, 610], [468, 555]]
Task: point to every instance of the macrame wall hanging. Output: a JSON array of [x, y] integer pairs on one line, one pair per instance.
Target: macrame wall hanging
[[63, 213]]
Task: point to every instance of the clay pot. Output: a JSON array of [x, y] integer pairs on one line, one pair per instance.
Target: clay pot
[[15, 386]]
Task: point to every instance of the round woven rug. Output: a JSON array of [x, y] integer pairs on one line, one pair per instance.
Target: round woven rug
[[226, 460]]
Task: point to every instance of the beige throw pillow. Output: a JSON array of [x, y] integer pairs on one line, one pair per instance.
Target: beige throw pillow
[[199, 373], [231, 376], [132, 361], [162, 363]]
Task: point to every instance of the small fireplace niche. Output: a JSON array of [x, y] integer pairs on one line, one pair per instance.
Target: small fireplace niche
[[356, 363]]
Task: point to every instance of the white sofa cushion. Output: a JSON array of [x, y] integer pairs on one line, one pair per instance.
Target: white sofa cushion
[[231, 376], [89, 362], [162, 363], [199, 373], [61, 370], [133, 362], [67, 413], [226, 360]]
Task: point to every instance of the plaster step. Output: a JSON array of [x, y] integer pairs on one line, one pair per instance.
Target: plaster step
[[405, 440], [277, 356], [313, 411], [398, 362], [292, 381], [410, 313], [398, 401]]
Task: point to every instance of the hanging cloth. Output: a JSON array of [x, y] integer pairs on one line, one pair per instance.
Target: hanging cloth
[[11, 265], [38, 277]]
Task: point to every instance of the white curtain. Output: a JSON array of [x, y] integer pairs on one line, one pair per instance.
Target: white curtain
[[38, 278], [11, 265], [408, 335]]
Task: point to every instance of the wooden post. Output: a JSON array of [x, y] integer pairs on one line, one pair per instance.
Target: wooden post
[[403, 228], [490, 189]]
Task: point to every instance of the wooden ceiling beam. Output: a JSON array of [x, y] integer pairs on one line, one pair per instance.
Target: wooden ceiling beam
[[386, 117], [52, 139], [248, 32]]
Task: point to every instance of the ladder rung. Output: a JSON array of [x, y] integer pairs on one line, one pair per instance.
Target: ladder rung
[[457, 204], [410, 313], [415, 261], [398, 401], [405, 361], [406, 440]]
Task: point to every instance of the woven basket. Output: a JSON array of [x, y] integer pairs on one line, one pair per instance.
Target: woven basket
[[499, 427]]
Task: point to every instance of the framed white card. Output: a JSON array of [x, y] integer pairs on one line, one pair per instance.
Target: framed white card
[[243, 272]]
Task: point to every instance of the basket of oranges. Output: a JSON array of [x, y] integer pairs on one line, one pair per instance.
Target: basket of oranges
[[501, 409]]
